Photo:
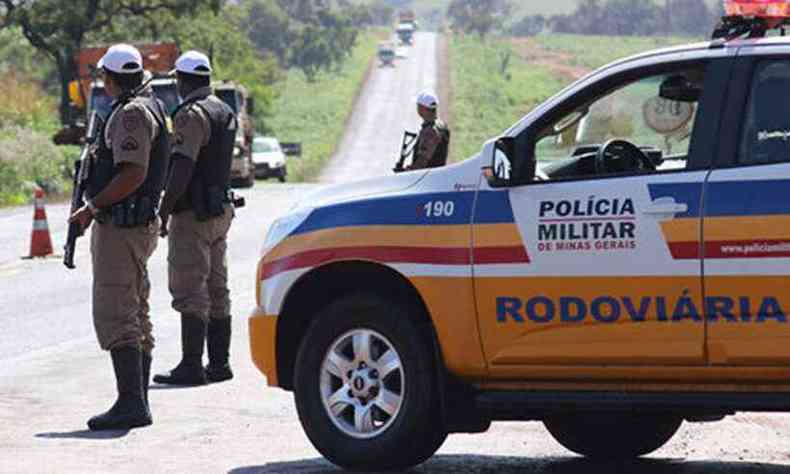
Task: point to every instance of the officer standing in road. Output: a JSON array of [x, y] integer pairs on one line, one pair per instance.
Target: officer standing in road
[[433, 141], [198, 197], [129, 170]]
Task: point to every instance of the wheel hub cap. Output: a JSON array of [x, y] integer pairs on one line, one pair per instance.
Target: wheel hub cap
[[362, 382]]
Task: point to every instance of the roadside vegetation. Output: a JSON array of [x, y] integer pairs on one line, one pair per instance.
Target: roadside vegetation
[[28, 118], [492, 88], [593, 52], [302, 62], [495, 83], [315, 113]]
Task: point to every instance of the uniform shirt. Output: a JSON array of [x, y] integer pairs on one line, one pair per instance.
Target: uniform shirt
[[130, 133], [192, 126], [429, 138]]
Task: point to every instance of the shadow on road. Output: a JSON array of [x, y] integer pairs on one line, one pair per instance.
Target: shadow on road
[[84, 434], [513, 465]]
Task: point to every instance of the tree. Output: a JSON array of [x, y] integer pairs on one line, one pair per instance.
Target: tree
[[530, 25], [306, 34], [60, 31], [478, 16]]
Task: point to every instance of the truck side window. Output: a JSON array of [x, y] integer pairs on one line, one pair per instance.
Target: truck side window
[[766, 131], [656, 113]]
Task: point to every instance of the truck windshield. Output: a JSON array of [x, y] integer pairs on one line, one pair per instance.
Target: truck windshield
[[264, 146], [229, 97], [100, 102]]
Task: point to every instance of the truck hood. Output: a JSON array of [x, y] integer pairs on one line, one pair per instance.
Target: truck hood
[[338, 193]]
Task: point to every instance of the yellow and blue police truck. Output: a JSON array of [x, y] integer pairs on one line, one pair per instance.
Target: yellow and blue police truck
[[617, 262]]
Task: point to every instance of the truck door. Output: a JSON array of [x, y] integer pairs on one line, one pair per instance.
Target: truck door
[[747, 220], [610, 273]]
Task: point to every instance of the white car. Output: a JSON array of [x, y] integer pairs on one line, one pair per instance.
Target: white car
[[269, 158]]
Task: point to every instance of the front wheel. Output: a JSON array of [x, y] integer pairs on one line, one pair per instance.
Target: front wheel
[[365, 386], [613, 436]]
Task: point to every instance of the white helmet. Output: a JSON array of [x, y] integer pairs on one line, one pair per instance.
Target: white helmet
[[122, 59], [428, 99], [194, 62]]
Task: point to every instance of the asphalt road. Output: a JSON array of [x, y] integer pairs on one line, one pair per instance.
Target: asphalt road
[[385, 108], [53, 376]]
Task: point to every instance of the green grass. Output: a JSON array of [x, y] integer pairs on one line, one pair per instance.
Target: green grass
[[486, 102], [315, 113], [596, 51]]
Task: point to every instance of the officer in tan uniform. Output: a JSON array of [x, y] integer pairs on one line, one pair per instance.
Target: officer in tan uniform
[[198, 198], [433, 141], [129, 168]]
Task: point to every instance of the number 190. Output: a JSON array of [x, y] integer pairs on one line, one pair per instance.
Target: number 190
[[439, 209]]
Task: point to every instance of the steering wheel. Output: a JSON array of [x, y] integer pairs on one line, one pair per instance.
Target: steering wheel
[[629, 156]]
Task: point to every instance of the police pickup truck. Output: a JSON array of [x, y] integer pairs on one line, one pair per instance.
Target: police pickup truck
[[615, 264]]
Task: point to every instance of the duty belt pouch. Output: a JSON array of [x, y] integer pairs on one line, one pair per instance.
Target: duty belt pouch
[[133, 212], [119, 214]]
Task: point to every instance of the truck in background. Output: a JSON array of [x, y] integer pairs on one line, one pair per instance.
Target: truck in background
[[238, 98], [87, 92], [408, 16]]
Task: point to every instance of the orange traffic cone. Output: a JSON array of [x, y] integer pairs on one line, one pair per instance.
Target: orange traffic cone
[[40, 241]]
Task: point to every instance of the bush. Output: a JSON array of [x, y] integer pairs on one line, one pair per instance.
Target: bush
[[25, 104], [29, 159]]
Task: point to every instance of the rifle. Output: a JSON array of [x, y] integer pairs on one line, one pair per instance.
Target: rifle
[[406, 150], [82, 173]]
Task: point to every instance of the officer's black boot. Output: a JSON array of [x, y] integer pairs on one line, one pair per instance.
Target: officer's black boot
[[190, 370], [130, 410], [218, 342], [146, 360]]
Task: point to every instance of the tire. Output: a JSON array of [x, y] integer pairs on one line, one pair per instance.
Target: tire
[[613, 436], [410, 434]]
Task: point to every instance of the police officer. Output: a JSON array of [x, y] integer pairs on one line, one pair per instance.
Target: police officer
[[433, 141], [198, 198], [129, 169]]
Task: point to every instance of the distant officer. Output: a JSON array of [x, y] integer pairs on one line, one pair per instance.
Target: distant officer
[[129, 170], [198, 198], [433, 141]]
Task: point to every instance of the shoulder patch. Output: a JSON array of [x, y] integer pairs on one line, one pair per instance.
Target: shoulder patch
[[130, 144]]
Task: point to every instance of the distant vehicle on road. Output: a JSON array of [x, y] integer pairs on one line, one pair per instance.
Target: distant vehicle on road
[[269, 159], [408, 16], [405, 32], [387, 54]]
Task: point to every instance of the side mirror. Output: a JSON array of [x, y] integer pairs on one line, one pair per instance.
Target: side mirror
[[499, 153]]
